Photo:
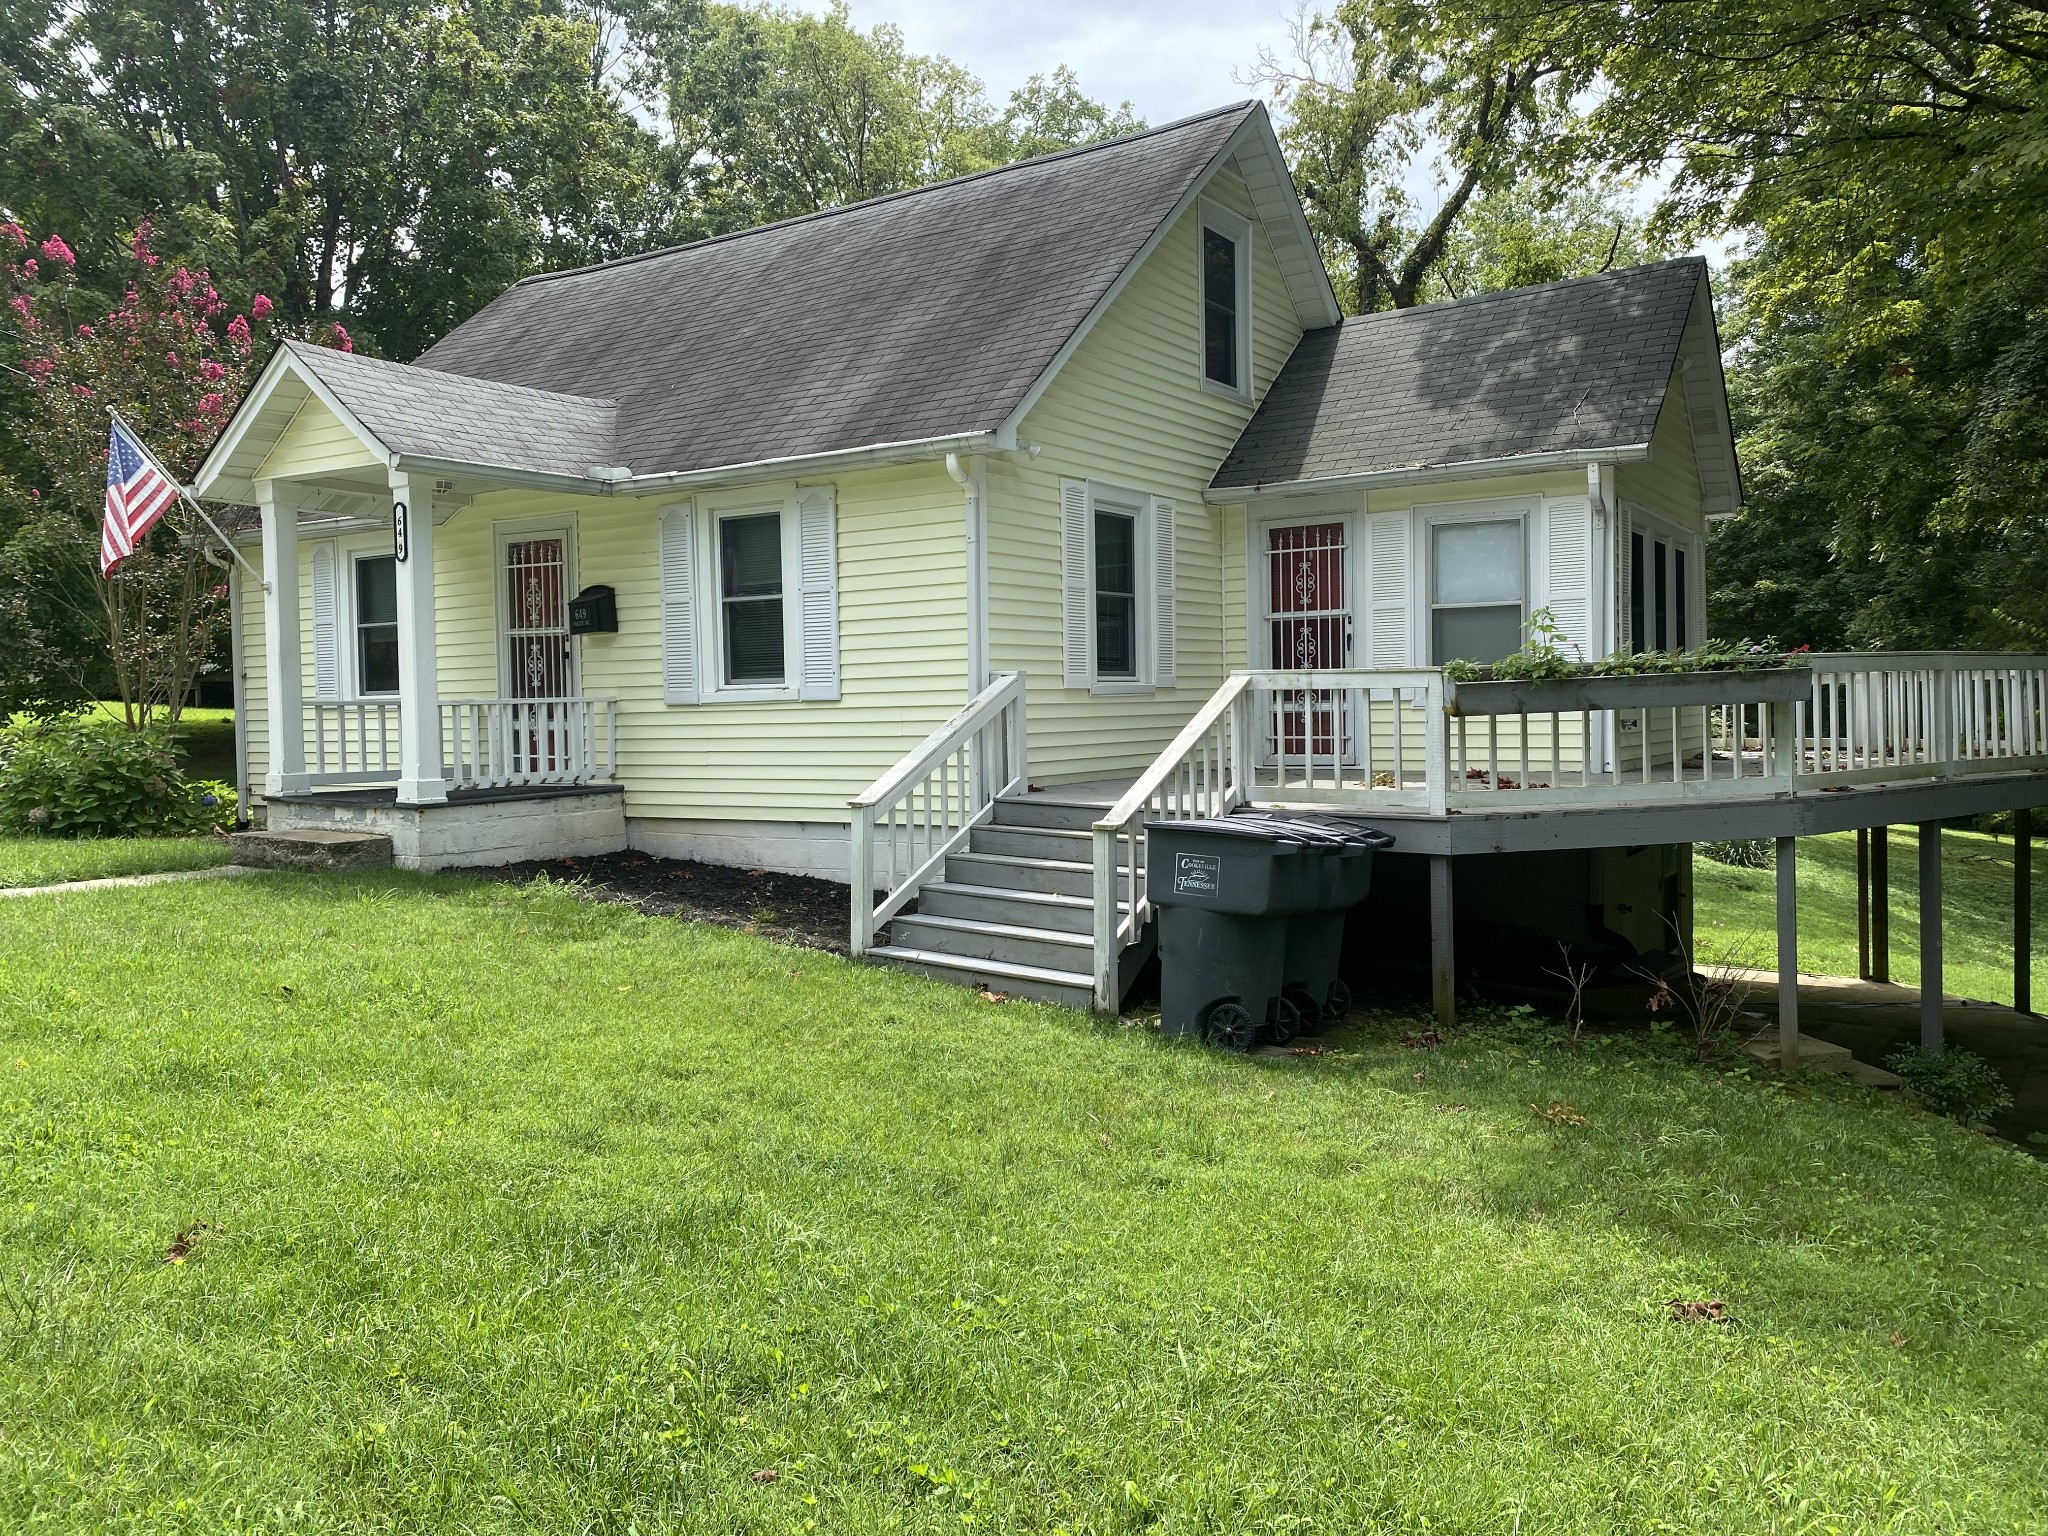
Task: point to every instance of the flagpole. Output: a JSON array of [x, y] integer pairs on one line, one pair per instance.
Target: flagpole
[[186, 496]]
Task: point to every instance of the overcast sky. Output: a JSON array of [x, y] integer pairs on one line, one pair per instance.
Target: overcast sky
[[1168, 60]]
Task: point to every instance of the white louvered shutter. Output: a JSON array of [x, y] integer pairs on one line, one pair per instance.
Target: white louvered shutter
[[1568, 572], [1390, 593], [1164, 584], [678, 605], [1624, 636], [326, 625], [818, 614], [1075, 601]]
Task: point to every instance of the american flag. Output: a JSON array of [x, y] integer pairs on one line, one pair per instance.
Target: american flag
[[138, 493]]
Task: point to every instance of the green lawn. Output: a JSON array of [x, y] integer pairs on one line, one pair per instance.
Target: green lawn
[[399, 1204], [53, 860], [1739, 907]]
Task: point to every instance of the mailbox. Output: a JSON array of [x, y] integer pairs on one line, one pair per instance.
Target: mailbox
[[594, 611]]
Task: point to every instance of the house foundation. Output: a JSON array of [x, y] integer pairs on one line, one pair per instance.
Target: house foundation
[[472, 829]]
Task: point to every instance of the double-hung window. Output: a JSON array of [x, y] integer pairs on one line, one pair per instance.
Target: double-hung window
[[1117, 588], [1116, 594], [752, 646], [1477, 589], [376, 618], [1225, 280]]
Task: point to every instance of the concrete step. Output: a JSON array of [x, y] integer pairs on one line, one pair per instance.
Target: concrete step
[[1013, 872], [1824, 1056], [969, 938], [1033, 843], [1017, 909], [1046, 809], [311, 849], [1073, 989]]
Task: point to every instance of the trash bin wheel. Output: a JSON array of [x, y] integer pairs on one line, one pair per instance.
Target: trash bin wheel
[[1337, 1007], [1296, 1013], [1232, 1027]]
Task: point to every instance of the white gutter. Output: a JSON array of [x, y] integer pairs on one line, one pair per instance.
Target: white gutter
[[972, 478], [1428, 474], [1003, 440]]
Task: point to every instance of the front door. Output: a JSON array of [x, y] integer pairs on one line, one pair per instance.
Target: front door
[[539, 657], [1308, 628]]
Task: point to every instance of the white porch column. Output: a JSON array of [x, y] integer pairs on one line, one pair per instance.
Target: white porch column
[[284, 770], [421, 775]]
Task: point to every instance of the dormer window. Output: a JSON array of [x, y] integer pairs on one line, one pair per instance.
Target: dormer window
[[1225, 267]]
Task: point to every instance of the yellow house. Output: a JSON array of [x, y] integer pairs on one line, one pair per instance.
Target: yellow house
[[935, 543]]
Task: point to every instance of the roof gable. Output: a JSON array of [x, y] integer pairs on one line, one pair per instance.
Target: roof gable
[[930, 314], [1567, 370]]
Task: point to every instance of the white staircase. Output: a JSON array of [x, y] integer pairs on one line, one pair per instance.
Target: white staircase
[[1014, 909]]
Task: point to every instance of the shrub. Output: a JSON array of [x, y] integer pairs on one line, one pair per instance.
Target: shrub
[[76, 777], [1959, 1084], [1741, 852]]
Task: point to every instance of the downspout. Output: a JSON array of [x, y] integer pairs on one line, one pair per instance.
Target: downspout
[[972, 478]]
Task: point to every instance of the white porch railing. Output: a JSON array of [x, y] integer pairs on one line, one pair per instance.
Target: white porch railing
[[501, 743], [351, 741], [908, 820]]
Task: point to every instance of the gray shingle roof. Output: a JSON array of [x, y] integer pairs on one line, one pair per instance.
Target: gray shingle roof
[[469, 421], [927, 314], [1581, 364]]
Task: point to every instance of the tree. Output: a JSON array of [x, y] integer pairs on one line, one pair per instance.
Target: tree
[[173, 361]]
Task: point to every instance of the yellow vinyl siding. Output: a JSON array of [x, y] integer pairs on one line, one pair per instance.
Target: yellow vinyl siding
[[252, 697], [1668, 482], [315, 443], [1128, 410]]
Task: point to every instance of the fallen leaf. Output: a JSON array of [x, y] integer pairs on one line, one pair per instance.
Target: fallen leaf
[[1454, 1109], [766, 1475], [1428, 1040], [1560, 1113], [186, 1241], [1898, 1339], [1699, 1311], [1418, 1077]]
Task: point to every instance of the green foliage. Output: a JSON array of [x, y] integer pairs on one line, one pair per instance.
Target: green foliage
[[74, 777], [1952, 1082], [1543, 656], [1741, 852], [1532, 231], [603, 1261]]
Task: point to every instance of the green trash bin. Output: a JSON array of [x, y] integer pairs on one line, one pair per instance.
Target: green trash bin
[[1315, 939], [1225, 890]]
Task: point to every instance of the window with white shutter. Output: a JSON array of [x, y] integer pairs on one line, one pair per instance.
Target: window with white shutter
[[1568, 572], [1118, 588], [1164, 592], [679, 680], [1390, 592], [818, 618], [1076, 597], [326, 622]]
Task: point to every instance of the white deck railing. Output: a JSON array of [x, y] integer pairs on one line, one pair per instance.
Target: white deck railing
[[908, 820], [352, 741], [503, 743]]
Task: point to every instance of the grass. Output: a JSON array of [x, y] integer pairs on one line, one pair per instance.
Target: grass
[[1738, 908], [399, 1204], [54, 860]]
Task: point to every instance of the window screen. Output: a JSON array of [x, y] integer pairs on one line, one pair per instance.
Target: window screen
[[1219, 309], [750, 597], [377, 624], [1661, 570], [1116, 594], [1681, 634], [1638, 629], [1476, 590]]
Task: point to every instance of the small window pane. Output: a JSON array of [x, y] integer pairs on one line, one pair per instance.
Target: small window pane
[[750, 591], [1479, 563], [1116, 595], [1661, 567], [1477, 634], [1681, 632], [1219, 308], [1639, 638], [377, 625]]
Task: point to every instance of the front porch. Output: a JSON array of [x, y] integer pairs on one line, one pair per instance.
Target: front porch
[[470, 828]]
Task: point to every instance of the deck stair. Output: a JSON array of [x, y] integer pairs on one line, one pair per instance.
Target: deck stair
[[1013, 911]]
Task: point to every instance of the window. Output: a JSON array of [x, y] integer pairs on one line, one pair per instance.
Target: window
[[1116, 594], [1681, 632], [1638, 629], [1661, 570], [1226, 301], [1476, 590], [750, 598], [376, 624]]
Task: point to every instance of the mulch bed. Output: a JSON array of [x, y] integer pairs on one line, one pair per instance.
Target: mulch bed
[[794, 909]]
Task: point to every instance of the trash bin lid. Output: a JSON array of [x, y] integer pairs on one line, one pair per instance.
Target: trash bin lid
[[1234, 826], [1323, 830]]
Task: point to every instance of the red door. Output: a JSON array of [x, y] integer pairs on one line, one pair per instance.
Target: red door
[[537, 637], [1310, 630]]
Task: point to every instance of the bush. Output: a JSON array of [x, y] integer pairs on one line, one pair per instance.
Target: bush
[[1959, 1084], [77, 777], [1741, 852]]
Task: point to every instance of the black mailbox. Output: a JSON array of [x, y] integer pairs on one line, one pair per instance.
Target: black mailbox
[[594, 611]]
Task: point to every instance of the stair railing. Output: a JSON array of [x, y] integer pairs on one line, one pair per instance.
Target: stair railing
[[1206, 771], [908, 820]]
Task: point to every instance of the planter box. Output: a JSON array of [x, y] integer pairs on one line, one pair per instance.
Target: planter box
[[1650, 690]]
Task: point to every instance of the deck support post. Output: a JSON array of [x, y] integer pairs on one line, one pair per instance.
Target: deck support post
[[1788, 953], [422, 777], [1880, 904], [1930, 937], [2023, 911], [284, 762], [1443, 976], [1863, 903]]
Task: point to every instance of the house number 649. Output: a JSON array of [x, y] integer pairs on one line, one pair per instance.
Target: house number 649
[[400, 538]]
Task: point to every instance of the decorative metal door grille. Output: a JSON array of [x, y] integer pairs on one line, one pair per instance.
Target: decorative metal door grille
[[537, 637], [1310, 629]]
